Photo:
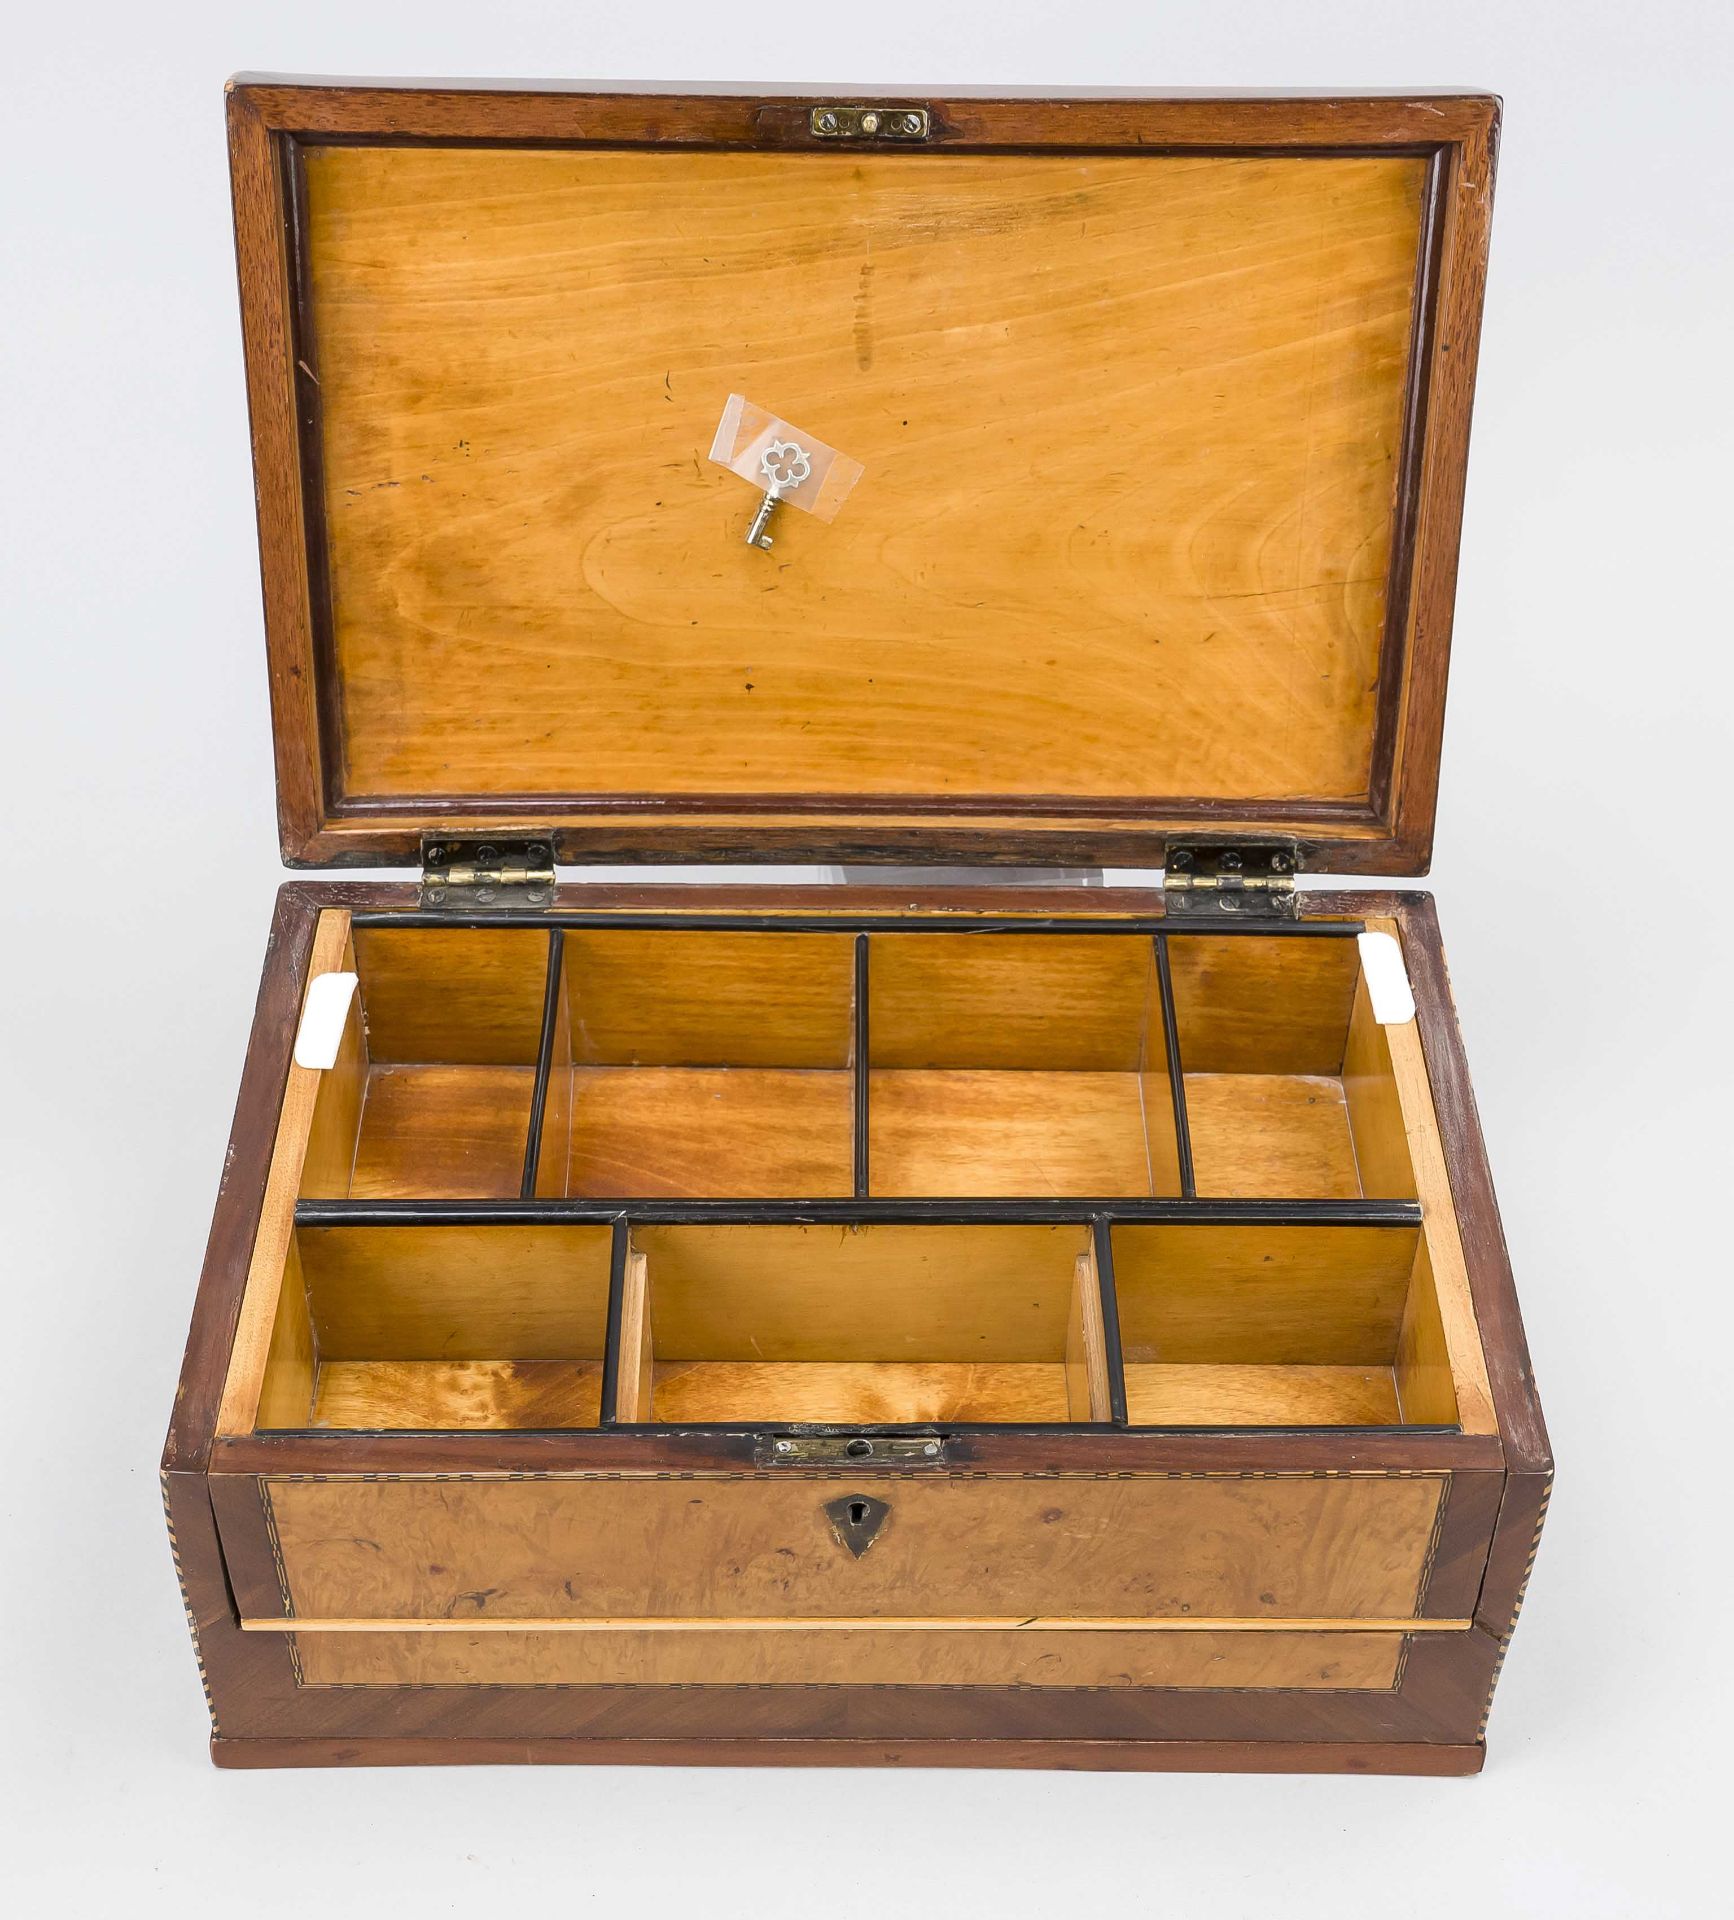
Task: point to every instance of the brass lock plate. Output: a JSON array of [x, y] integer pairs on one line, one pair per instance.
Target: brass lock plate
[[851, 1450], [894, 122]]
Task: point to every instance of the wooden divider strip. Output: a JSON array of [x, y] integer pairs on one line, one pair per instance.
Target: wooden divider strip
[[1087, 1395], [1439, 1220], [251, 1347], [635, 1393]]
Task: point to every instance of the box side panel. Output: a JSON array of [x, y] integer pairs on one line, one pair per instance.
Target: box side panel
[[241, 1191]]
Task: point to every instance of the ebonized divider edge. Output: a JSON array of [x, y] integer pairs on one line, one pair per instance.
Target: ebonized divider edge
[[544, 1065], [958, 923], [861, 1067], [619, 1248], [863, 1212], [1176, 1070], [1102, 1242]]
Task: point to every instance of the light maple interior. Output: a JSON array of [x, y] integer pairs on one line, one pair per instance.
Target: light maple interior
[[1280, 1326], [432, 1094], [717, 1064], [1017, 1065], [1131, 426], [863, 1325], [439, 1327], [702, 1065], [500, 1326], [1289, 1087], [660, 1065]]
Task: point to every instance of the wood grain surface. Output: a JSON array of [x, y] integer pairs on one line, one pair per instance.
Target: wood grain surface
[[459, 1395], [1433, 1187], [457, 1293], [1058, 1003], [1262, 1006], [921, 273], [859, 1657], [1221, 1394], [453, 1133], [290, 1126], [708, 998], [980, 1134], [1270, 1548], [709, 1133], [458, 996], [1271, 1136], [522, 357], [960, 1294], [1263, 1754], [1282, 1296], [860, 1393]]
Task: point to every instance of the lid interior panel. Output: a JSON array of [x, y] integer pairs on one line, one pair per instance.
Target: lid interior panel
[[1143, 437]]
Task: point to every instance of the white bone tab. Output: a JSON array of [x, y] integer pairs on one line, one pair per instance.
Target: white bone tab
[[321, 1030], [1387, 979]]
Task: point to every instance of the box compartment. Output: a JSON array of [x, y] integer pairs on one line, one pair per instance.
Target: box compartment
[[1018, 1065], [975, 1120], [862, 1325], [435, 1081], [439, 1327], [701, 1064], [1287, 1075], [1305, 1326]]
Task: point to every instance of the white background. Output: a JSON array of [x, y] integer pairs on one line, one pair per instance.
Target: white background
[[1583, 855]]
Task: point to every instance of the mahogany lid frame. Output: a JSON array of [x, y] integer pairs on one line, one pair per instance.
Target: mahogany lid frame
[[1390, 833]]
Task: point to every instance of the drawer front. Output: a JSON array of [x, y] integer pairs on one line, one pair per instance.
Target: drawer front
[[853, 1656], [978, 1549]]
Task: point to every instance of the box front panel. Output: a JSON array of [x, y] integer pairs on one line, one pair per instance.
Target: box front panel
[[857, 1657], [993, 1550]]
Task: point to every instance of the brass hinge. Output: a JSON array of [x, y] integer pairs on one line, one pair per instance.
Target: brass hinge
[[1253, 880], [494, 873], [870, 123]]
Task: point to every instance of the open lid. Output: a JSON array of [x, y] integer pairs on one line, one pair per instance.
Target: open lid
[[1162, 407]]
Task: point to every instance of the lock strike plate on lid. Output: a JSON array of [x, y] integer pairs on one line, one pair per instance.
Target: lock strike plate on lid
[[851, 1450], [893, 122]]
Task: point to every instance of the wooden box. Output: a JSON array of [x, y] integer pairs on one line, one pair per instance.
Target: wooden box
[[984, 1325]]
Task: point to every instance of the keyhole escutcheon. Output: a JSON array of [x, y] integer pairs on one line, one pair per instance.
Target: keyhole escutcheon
[[856, 1520]]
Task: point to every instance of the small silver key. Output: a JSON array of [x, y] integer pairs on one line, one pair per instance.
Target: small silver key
[[785, 464]]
